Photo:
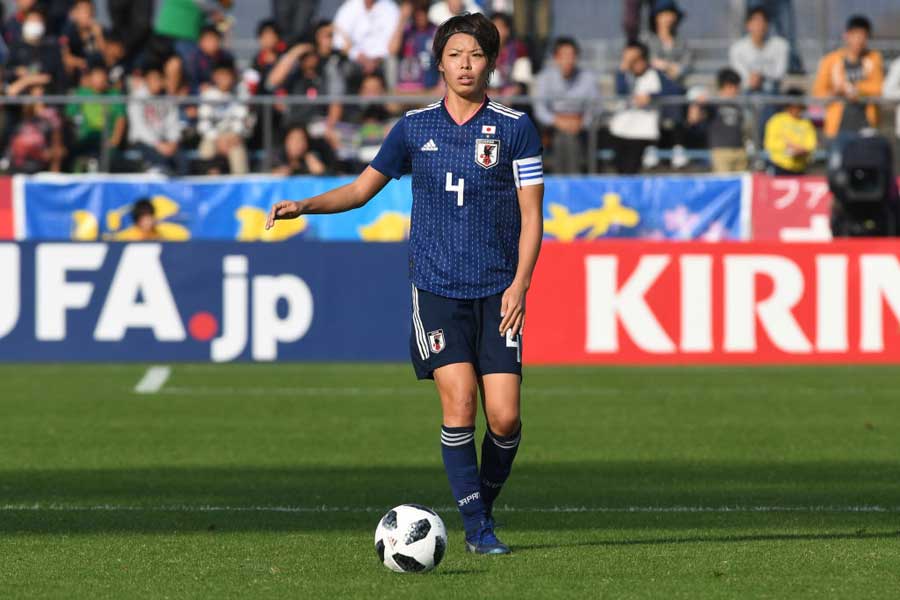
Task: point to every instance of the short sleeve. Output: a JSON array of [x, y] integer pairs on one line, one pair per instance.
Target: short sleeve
[[393, 159], [528, 164]]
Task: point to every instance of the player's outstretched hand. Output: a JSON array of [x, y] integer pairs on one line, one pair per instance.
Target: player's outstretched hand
[[286, 209], [512, 309]]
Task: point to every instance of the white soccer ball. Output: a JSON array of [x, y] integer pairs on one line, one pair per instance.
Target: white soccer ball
[[410, 538]]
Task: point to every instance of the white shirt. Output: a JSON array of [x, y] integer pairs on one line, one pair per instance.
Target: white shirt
[[771, 61], [635, 123], [368, 30], [891, 88], [440, 12]]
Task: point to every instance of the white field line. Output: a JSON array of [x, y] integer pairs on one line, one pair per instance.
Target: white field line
[[365, 391], [153, 380], [189, 508]]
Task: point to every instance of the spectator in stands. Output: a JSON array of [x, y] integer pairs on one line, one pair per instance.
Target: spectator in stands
[[373, 121], [759, 58], [224, 120], [176, 86], [94, 121], [635, 128], [726, 127], [564, 105], [512, 75], [154, 126], [294, 17], [82, 38], [784, 23], [363, 30], [271, 47], [854, 72], [334, 64], [669, 54], [411, 42], [295, 157], [36, 142], [12, 27], [132, 21], [179, 23], [300, 73], [892, 90], [114, 55], [790, 139], [36, 52], [442, 10], [209, 52]]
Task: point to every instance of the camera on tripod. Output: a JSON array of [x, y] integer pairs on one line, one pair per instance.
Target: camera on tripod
[[862, 181]]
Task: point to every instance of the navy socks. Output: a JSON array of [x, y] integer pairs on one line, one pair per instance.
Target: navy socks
[[497, 456], [461, 464]]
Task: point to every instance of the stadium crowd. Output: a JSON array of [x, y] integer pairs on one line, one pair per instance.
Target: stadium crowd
[[156, 54]]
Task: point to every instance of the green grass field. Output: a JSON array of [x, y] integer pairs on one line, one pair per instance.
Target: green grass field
[[267, 481]]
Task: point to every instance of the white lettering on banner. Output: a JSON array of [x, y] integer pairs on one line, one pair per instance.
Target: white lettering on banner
[[10, 298], [607, 304], [234, 309], [816, 192], [774, 313], [880, 280], [831, 303], [140, 274], [268, 327], [696, 303], [819, 230], [54, 295]]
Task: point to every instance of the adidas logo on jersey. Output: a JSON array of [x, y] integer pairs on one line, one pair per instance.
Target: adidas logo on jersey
[[429, 146]]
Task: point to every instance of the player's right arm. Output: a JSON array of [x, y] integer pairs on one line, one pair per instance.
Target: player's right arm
[[391, 162], [341, 199]]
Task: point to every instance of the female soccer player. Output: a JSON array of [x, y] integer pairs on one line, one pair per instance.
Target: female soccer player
[[477, 222]]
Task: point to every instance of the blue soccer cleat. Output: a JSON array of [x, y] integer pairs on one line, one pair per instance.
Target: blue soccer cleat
[[484, 541]]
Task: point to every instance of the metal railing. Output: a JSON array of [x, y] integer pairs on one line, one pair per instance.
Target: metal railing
[[602, 109]]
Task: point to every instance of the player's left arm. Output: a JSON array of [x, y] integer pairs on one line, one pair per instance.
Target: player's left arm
[[531, 205]]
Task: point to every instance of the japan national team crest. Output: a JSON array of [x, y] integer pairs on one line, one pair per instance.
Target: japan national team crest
[[436, 341], [487, 153]]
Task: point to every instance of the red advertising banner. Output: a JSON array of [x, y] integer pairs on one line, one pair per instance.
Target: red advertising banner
[[7, 222], [791, 209], [729, 303]]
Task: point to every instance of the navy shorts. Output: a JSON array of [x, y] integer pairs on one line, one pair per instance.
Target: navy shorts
[[450, 330]]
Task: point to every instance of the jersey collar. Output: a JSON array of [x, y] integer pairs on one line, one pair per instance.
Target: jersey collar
[[475, 114]]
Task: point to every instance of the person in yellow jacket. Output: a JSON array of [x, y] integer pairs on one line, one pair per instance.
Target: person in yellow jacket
[[855, 73], [790, 139]]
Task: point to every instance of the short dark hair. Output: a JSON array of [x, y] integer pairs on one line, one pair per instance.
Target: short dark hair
[[641, 47], [225, 62], [152, 66], [210, 29], [757, 10], [566, 41], [727, 76], [478, 26], [268, 24], [142, 207], [859, 22], [74, 2]]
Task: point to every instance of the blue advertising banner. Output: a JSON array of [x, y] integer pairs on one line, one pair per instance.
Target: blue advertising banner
[[92, 208], [204, 301]]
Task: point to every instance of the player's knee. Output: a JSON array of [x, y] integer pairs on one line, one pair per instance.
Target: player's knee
[[460, 405], [504, 424]]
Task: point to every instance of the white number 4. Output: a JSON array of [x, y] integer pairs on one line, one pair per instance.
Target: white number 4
[[458, 188]]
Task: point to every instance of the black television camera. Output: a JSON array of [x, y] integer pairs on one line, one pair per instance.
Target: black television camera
[[862, 181]]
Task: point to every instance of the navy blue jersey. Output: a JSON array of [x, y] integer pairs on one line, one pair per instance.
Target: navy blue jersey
[[464, 237]]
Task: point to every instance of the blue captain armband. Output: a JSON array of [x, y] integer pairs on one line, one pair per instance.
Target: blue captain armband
[[528, 171]]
